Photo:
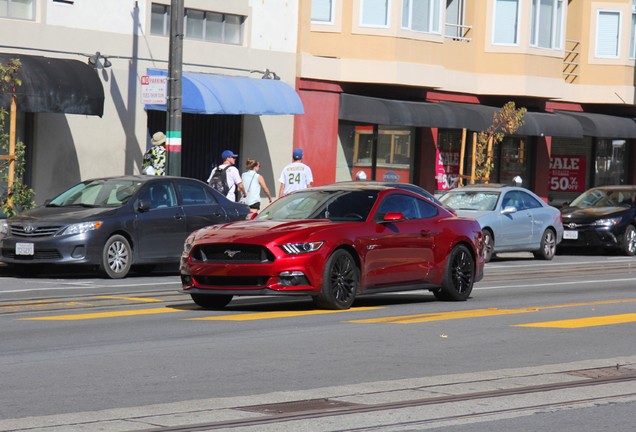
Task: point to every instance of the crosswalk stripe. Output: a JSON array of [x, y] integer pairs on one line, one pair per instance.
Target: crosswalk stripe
[[99, 315], [585, 322], [478, 313], [283, 314]]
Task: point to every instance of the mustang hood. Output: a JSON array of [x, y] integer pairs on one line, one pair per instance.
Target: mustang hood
[[263, 231], [61, 215]]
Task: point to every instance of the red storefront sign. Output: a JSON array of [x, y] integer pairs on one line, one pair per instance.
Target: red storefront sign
[[567, 173], [447, 170]]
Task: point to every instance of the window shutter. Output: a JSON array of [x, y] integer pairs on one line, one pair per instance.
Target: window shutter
[[607, 31]]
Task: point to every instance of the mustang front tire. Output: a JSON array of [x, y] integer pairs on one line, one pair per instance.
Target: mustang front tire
[[341, 279]]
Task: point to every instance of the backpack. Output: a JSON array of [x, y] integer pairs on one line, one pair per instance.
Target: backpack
[[218, 181]]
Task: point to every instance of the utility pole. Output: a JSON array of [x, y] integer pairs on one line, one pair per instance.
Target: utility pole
[[175, 70]]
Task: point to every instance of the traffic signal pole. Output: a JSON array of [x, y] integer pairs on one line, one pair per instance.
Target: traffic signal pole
[[174, 103]]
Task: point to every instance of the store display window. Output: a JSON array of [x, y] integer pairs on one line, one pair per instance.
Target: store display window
[[381, 152]]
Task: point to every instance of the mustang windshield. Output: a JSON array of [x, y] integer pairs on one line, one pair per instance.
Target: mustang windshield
[[97, 193], [471, 200], [335, 205]]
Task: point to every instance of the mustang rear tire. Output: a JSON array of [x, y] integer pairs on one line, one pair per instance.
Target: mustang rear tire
[[459, 276], [116, 257], [341, 279], [211, 301]]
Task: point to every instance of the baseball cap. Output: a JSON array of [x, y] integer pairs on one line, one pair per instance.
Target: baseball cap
[[228, 153], [298, 153]]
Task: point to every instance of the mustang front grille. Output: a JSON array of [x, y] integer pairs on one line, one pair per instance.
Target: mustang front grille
[[232, 253]]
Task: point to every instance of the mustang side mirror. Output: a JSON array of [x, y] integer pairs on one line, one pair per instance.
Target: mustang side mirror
[[393, 217]]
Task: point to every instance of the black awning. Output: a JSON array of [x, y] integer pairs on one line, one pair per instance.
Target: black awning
[[477, 117], [602, 125], [394, 112], [56, 85], [546, 124]]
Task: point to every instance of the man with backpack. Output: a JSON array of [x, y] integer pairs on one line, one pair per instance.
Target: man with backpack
[[226, 178]]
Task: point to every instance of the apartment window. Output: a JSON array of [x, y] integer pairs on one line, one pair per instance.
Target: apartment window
[[607, 33], [547, 23], [18, 9], [201, 25], [506, 22], [455, 18], [632, 44], [322, 11], [422, 15], [375, 13]]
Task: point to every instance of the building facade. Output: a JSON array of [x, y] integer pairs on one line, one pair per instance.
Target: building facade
[[398, 89], [123, 41], [394, 88]]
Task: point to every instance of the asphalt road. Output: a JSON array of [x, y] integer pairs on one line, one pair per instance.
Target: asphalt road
[[537, 343]]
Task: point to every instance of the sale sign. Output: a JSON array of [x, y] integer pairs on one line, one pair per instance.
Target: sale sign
[[447, 170], [567, 173]]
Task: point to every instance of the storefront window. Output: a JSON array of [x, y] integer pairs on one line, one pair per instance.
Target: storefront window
[[511, 160], [449, 143], [577, 165], [609, 162], [391, 159]]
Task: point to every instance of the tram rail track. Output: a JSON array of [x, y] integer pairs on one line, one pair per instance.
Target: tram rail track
[[278, 415]]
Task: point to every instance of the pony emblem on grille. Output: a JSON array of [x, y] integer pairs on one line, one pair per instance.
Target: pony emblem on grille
[[231, 253]]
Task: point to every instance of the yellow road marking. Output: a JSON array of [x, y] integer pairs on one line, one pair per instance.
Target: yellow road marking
[[136, 299], [282, 314], [99, 315], [477, 313], [585, 322]]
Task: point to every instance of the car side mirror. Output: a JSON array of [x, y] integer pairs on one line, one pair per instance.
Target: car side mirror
[[509, 210], [143, 205], [392, 217]]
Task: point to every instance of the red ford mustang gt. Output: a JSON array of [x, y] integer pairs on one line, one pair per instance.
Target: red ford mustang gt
[[334, 243]]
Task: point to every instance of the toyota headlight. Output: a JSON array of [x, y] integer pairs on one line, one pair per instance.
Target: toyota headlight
[[302, 248], [4, 227], [607, 222], [81, 228]]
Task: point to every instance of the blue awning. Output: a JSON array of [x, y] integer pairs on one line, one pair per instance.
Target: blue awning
[[222, 94]]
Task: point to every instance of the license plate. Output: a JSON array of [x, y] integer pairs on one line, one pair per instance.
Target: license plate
[[24, 249], [570, 235]]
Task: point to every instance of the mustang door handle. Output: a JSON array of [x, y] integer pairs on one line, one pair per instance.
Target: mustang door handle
[[427, 233]]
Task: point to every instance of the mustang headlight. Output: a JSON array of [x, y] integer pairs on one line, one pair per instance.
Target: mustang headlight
[[81, 228], [302, 248], [189, 242], [607, 222]]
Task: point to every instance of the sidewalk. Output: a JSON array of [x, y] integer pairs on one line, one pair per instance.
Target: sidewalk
[[262, 409]]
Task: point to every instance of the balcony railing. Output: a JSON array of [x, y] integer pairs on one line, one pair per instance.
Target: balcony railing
[[571, 60], [457, 32]]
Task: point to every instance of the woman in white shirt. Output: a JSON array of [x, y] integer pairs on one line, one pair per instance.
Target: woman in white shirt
[[253, 183]]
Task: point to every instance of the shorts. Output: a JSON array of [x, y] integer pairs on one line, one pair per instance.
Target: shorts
[[255, 206]]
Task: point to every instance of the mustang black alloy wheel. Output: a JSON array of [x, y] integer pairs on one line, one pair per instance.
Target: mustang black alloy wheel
[[459, 277], [341, 279]]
